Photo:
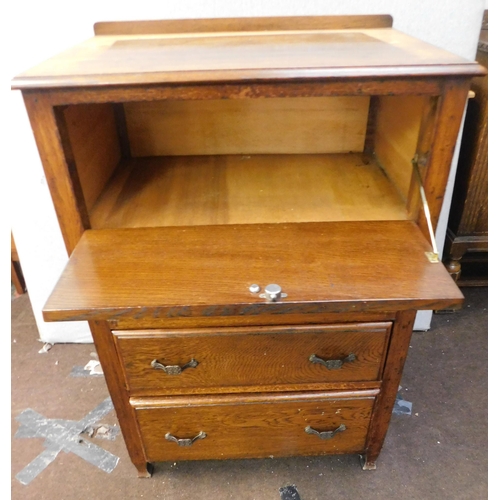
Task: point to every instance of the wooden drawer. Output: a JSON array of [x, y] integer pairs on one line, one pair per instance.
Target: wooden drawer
[[254, 426], [252, 359]]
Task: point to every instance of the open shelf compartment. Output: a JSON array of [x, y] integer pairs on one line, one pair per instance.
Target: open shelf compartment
[[245, 161]]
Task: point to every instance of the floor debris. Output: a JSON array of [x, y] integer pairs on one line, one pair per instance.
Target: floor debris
[[63, 435], [101, 431], [401, 406], [289, 493], [46, 348], [92, 368]]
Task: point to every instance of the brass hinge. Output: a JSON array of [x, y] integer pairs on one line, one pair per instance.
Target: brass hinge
[[416, 162]]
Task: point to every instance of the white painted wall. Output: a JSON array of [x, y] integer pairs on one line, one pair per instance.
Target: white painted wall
[[46, 28]]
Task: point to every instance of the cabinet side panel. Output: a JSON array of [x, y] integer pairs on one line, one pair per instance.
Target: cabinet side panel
[[396, 136], [393, 370], [60, 171], [115, 381], [444, 140], [95, 144], [253, 126]]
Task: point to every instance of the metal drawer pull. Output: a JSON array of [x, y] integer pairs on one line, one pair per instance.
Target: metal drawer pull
[[332, 364], [185, 441], [173, 369], [325, 434]]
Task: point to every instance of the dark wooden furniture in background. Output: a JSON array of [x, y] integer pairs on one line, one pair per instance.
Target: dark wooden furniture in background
[[466, 247], [198, 166]]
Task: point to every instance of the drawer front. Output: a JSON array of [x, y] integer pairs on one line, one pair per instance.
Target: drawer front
[[251, 357], [235, 427]]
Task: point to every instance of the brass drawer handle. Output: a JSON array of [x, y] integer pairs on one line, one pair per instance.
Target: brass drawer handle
[[325, 434], [332, 364], [173, 369], [185, 441]]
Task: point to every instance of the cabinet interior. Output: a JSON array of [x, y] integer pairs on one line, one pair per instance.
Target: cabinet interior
[[243, 161]]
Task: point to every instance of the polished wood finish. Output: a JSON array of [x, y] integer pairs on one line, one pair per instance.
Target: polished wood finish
[[246, 189], [276, 357], [52, 139], [423, 148], [240, 427], [95, 146], [235, 56], [315, 316], [190, 159], [384, 404], [214, 276], [115, 381], [396, 135], [448, 121]]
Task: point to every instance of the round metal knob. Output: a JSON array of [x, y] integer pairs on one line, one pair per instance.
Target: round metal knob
[[273, 292], [254, 288]]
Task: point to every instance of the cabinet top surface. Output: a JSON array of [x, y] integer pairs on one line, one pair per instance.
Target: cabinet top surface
[[141, 53]]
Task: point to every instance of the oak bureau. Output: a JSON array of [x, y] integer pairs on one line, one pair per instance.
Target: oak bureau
[[248, 206]]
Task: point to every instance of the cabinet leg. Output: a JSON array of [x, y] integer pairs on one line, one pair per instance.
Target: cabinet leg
[[454, 267], [384, 402], [115, 380], [366, 463], [144, 469]]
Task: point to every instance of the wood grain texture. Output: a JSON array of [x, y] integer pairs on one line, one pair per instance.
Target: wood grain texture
[[206, 270], [177, 241], [115, 381], [450, 110], [467, 231], [246, 90], [396, 136], [469, 211], [384, 404], [252, 429], [249, 358], [246, 189], [94, 142], [423, 149], [305, 318], [315, 54], [241, 24], [252, 126], [60, 170]]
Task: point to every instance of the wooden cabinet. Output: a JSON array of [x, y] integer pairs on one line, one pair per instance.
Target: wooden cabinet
[[241, 200], [466, 247]]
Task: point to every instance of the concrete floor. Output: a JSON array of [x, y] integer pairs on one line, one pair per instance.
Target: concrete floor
[[437, 452]]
